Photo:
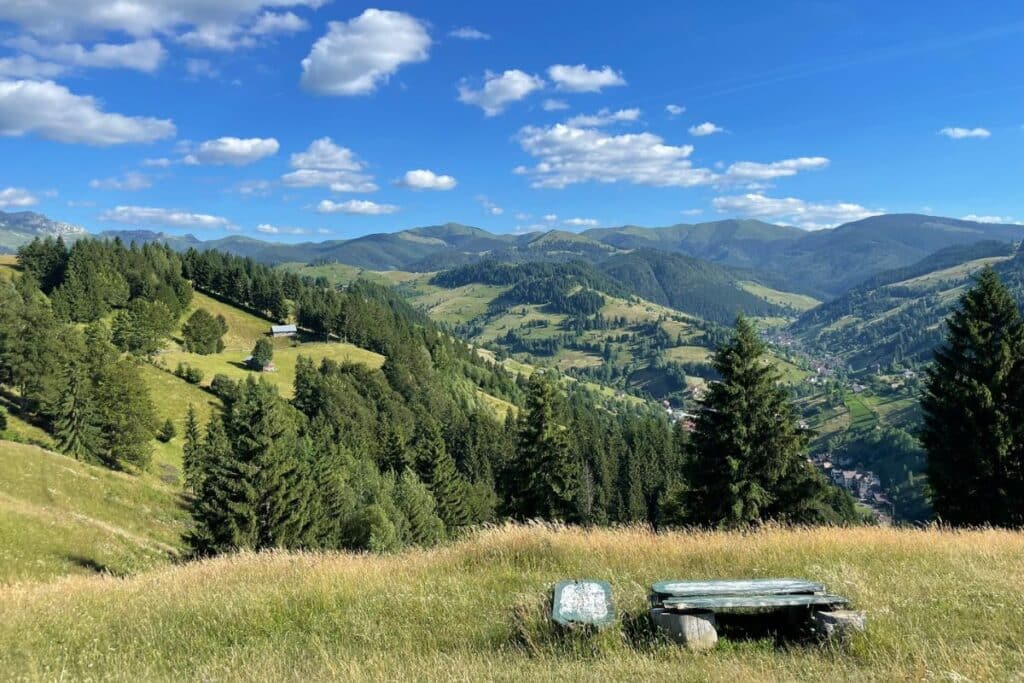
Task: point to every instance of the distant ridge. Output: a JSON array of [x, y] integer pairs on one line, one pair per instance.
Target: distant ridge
[[21, 227]]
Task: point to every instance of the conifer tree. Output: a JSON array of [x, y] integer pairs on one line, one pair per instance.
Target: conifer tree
[[974, 412], [748, 462], [262, 353], [223, 521], [74, 424], [422, 525], [437, 469], [191, 451], [548, 470]]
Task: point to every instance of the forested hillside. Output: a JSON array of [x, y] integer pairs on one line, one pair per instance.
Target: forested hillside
[[897, 315]]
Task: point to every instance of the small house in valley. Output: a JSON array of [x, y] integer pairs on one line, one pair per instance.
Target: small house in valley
[[283, 330]]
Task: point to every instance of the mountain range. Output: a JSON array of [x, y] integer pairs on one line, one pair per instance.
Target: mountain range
[[21, 227]]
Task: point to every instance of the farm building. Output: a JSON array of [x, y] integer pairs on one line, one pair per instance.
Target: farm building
[[282, 330]]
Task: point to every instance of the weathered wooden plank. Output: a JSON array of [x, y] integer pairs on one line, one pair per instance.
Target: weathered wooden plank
[[582, 601], [737, 587], [720, 602]]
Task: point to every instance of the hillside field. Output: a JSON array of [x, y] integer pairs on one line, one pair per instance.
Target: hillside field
[[61, 517], [941, 604]]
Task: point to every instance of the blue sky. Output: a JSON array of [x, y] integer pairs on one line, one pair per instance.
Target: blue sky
[[312, 119]]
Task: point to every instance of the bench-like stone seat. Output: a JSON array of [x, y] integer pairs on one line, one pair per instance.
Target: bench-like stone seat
[[722, 602], [737, 587]]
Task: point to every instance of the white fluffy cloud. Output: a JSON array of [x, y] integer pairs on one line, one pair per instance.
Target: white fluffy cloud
[[706, 128], [500, 90], [270, 23], [469, 33], [752, 171], [603, 118], [490, 207], [230, 151], [54, 112], [674, 109], [144, 55], [961, 133], [1007, 220], [554, 105], [173, 218], [268, 229], [582, 222], [356, 206], [424, 179], [325, 164], [201, 68], [807, 215], [16, 198], [354, 57], [129, 181], [27, 66], [568, 155], [579, 78], [224, 24]]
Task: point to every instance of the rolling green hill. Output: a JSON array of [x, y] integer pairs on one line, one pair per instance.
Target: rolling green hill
[[897, 315], [62, 517]]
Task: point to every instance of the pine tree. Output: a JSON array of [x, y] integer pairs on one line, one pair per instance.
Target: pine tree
[[74, 424], [166, 431], [422, 525], [974, 410], [262, 353], [223, 519], [748, 461], [437, 468], [547, 468], [192, 451]]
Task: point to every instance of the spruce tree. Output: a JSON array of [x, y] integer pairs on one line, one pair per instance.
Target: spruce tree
[[974, 412], [422, 525], [437, 468], [548, 471], [748, 462], [74, 423], [192, 451], [223, 516]]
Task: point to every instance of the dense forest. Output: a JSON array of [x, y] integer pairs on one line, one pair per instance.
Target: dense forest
[[360, 457]]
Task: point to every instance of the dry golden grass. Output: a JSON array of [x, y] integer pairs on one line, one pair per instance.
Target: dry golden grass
[[942, 605]]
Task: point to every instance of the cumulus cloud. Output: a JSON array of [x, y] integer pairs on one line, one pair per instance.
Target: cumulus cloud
[[17, 198], [325, 164], [579, 78], [254, 188], [141, 55], [26, 66], [129, 181], [674, 109], [230, 151], [803, 214], [961, 133], [554, 105], [469, 33], [223, 25], [490, 207], [603, 118], [753, 171], [355, 57], [356, 206], [706, 128], [550, 217], [54, 112], [173, 218], [568, 155], [270, 23], [582, 222], [423, 179], [268, 229], [1006, 220], [500, 90]]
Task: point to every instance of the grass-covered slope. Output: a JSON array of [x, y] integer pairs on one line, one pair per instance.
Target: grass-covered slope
[[940, 604], [62, 517], [898, 314]]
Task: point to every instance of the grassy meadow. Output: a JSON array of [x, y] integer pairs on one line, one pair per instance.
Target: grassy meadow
[[61, 517], [941, 605]]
